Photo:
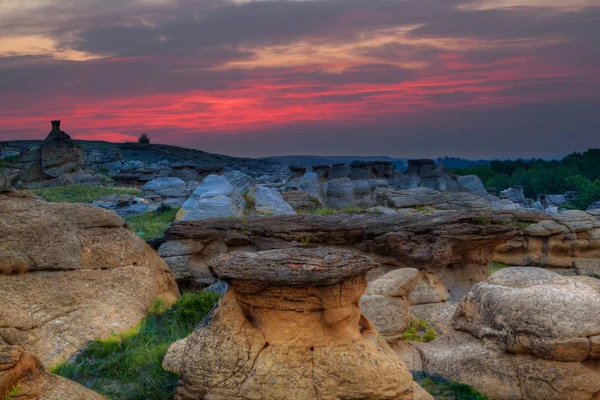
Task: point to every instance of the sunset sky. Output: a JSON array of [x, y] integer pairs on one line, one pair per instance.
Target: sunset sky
[[406, 78]]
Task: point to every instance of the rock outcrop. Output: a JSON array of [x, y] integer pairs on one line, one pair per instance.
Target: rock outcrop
[[22, 377], [124, 205], [452, 251], [56, 156], [531, 334], [215, 197], [569, 242], [70, 274], [290, 327]]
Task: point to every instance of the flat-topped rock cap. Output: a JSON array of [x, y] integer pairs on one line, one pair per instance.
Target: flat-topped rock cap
[[293, 266]]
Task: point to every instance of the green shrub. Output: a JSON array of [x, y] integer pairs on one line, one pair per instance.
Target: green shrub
[[495, 267], [442, 388], [81, 193], [152, 225], [13, 392], [128, 366], [250, 201], [419, 331]]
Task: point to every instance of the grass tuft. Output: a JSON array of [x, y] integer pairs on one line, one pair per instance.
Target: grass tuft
[[128, 366], [495, 267], [81, 193], [445, 389], [419, 331], [12, 393], [152, 225], [330, 211]]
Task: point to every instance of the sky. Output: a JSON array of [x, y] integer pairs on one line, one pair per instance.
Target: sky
[[403, 78]]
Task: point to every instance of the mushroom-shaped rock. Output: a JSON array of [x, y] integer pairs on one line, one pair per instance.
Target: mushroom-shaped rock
[[290, 327], [531, 310]]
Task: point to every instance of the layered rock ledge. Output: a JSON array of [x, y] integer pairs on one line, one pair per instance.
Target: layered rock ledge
[[290, 327]]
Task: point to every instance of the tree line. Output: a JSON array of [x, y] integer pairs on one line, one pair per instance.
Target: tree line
[[579, 172]]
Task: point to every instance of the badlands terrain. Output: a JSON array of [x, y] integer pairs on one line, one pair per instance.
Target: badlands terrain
[[144, 271]]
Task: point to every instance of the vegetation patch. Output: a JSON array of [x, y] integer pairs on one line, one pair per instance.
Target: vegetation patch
[[425, 210], [329, 211], [153, 224], [495, 267], [12, 393], [250, 201], [419, 331], [445, 389], [577, 171], [128, 366], [81, 193], [522, 224]]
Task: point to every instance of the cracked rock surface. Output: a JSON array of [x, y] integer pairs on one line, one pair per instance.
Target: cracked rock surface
[[70, 274], [296, 334], [524, 334]]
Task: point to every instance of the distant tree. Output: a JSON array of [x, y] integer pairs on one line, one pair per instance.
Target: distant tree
[[144, 139]]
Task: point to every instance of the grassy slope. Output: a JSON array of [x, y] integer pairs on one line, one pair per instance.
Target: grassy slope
[[81, 193], [152, 225], [128, 366]]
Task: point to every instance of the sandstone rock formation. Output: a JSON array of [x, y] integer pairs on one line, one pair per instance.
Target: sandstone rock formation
[[386, 303], [531, 334], [290, 327], [57, 155], [23, 374], [70, 274], [428, 243], [569, 242], [215, 197]]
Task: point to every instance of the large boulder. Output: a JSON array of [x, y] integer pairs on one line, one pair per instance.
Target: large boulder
[[524, 334], [290, 327], [518, 309], [23, 377], [472, 184], [594, 206], [340, 193], [504, 376], [268, 201], [215, 197], [310, 183], [72, 273]]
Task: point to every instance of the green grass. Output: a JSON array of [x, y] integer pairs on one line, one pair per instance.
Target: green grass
[[445, 389], [495, 267], [12, 393], [152, 225], [419, 331], [522, 224], [81, 193], [330, 211], [128, 366], [424, 210], [250, 201]]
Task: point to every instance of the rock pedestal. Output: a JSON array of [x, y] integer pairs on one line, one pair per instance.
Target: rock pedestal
[[56, 156], [290, 327]]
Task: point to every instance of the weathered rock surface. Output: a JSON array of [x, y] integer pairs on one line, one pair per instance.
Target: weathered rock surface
[[569, 242], [295, 333], [215, 197], [300, 200], [428, 243], [525, 333], [22, 370], [504, 376], [423, 196], [310, 183], [531, 310], [57, 155], [72, 273], [269, 201], [472, 184]]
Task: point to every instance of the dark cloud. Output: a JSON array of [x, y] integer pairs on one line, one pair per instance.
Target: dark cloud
[[460, 82]]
